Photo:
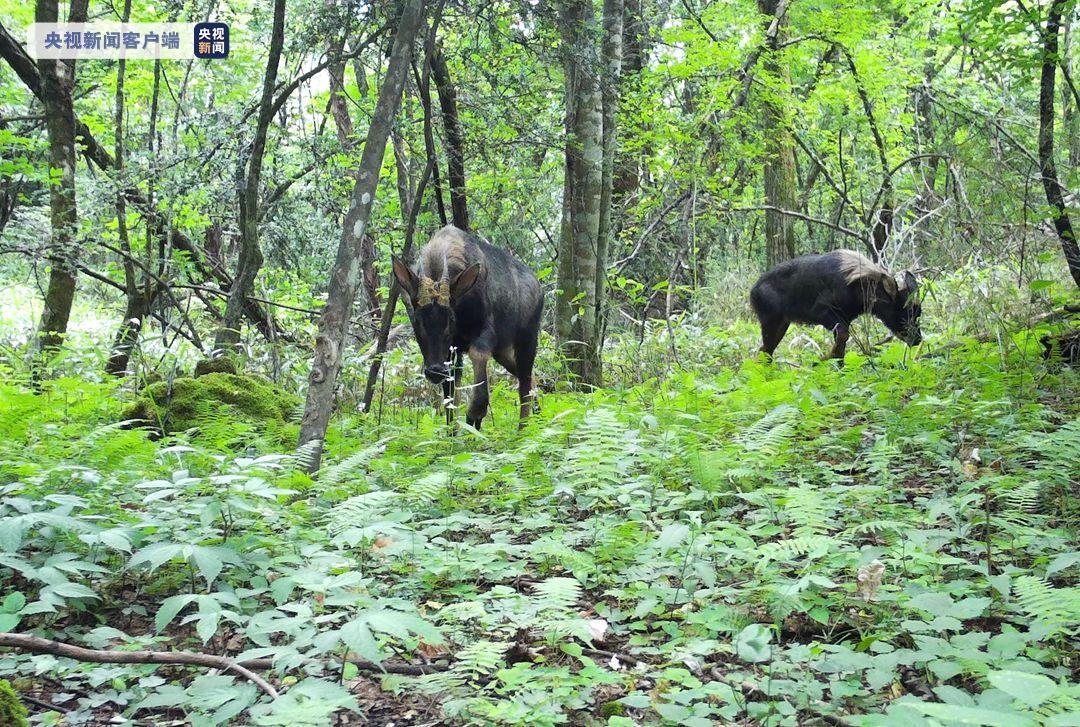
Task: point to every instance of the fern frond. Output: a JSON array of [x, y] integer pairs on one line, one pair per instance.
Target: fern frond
[[809, 546], [351, 465], [809, 510], [1057, 608], [556, 594]]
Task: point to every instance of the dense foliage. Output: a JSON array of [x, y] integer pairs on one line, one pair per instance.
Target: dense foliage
[[893, 539]]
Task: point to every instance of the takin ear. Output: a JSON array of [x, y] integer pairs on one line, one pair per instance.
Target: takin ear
[[888, 282], [406, 277], [464, 281]]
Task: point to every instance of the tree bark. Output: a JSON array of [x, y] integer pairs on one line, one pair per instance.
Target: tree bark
[[57, 81], [137, 304], [346, 136], [611, 66], [345, 277], [779, 170], [250, 258], [455, 140], [1047, 166], [575, 303]]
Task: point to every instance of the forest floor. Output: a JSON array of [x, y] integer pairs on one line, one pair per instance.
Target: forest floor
[[894, 542]]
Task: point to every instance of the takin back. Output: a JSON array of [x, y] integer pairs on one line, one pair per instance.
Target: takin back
[[471, 298], [832, 290]]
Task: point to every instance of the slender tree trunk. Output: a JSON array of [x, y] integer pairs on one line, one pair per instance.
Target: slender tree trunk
[[779, 170], [628, 165], [455, 140], [924, 112], [1070, 112], [250, 258], [345, 277], [575, 304], [57, 82], [1054, 197], [136, 307], [346, 136], [611, 65]]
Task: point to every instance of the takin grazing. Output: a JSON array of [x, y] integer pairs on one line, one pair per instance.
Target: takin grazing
[[832, 290], [471, 298]]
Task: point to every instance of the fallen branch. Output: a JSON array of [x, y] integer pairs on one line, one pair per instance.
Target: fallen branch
[[37, 645], [246, 669]]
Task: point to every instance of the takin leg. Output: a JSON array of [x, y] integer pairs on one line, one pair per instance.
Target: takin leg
[[478, 402], [840, 339], [773, 331], [525, 355]]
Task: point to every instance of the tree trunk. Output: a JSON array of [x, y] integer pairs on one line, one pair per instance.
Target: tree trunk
[[1054, 197], [575, 304], [455, 140], [628, 166], [346, 136], [136, 307], [1070, 112], [57, 82], [250, 258], [779, 170], [345, 277], [611, 65]]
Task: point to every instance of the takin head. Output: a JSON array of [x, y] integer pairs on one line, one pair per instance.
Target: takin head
[[432, 313], [893, 301]]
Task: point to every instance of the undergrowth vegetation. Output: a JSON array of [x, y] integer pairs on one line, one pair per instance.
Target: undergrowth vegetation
[[894, 542]]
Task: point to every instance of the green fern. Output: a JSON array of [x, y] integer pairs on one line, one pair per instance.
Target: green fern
[[1057, 608], [811, 547], [352, 464], [556, 594], [809, 510]]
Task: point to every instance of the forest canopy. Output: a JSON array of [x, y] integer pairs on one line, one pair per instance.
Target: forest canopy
[[244, 480]]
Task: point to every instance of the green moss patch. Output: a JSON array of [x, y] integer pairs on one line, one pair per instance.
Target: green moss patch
[[191, 402]]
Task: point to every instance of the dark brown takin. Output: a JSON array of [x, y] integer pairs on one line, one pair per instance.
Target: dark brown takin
[[831, 290], [470, 298]]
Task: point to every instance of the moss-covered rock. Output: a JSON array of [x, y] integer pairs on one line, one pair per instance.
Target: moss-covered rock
[[12, 711], [219, 365], [189, 402]]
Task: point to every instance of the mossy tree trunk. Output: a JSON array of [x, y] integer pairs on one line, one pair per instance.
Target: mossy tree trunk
[[57, 82], [779, 170], [575, 305]]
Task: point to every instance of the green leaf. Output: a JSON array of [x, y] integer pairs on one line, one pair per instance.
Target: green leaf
[[672, 536], [971, 715], [156, 555], [169, 608], [208, 562], [1031, 689], [1063, 561], [12, 530], [14, 602], [8, 621], [207, 625], [73, 590], [752, 643], [357, 637]]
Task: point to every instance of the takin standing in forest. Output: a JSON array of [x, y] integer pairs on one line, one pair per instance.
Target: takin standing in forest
[[832, 290], [469, 297]]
